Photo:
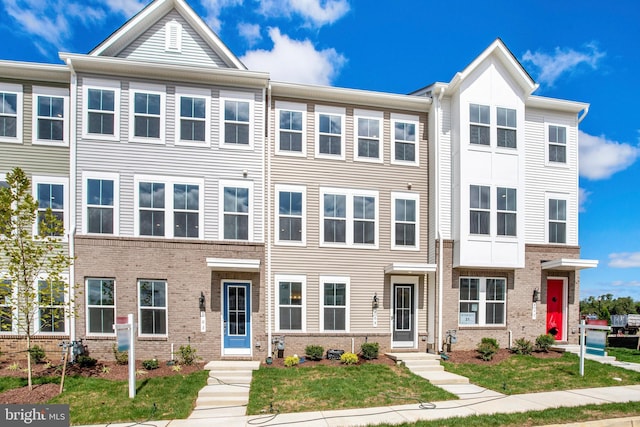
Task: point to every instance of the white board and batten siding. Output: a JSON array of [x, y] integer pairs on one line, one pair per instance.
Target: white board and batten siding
[[211, 163]]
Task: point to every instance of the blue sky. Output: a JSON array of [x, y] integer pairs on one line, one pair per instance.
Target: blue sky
[[577, 50]]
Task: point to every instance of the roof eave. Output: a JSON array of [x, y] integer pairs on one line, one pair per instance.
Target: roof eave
[[33, 71]]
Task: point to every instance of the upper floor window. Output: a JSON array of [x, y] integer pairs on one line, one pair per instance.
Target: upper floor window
[[147, 114], [169, 207], [50, 115], [330, 132], [482, 301], [479, 128], [506, 127], [291, 215], [101, 203], [236, 117], [10, 112], [50, 194], [404, 139], [405, 221], [101, 306], [557, 144], [291, 303], [6, 308], [102, 107], [557, 221], [290, 117], [480, 209], [507, 207], [349, 217], [236, 214], [369, 139], [193, 113], [335, 303], [152, 306]]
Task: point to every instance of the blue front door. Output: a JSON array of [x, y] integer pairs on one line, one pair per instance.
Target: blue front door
[[237, 318]]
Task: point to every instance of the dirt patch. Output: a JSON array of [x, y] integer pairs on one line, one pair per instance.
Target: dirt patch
[[381, 360], [472, 356], [106, 370]]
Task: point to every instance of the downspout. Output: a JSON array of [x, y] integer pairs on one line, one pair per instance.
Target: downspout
[[72, 192], [438, 226], [269, 225], [584, 114]]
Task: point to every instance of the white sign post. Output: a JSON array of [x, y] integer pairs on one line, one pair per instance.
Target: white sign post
[[125, 333]]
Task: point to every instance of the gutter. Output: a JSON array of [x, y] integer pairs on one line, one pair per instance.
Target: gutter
[[73, 88], [269, 225], [438, 226], [585, 111]]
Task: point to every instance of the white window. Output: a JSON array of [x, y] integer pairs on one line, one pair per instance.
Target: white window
[[51, 307], [10, 113], [173, 36], [349, 217], [404, 134], [557, 140], [237, 116], [507, 211], [330, 132], [479, 128], [291, 294], [291, 118], [50, 192], [506, 120], [480, 209], [147, 113], [152, 306], [193, 115], [291, 214], [101, 109], [236, 214], [369, 135], [482, 301], [334, 310], [100, 201], [6, 308], [405, 230], [557, 215], [50, 116], [101, 306], [169, 207]]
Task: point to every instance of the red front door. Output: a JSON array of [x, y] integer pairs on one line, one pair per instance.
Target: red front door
[[555, 306]]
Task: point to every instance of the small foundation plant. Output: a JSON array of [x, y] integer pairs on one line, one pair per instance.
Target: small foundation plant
[[487, 348]]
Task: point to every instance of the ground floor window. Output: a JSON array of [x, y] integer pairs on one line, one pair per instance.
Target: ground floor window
[[152, 303], [335, 312], [100, 306], [482, 301], [51, 310], [6, 310], [290, 304]]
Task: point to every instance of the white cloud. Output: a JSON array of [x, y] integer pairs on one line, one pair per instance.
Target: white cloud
[[552, 66], [583, 196], [624, 260], [250, 32], [295, 61], [314, 12], [213, 8], [600, 157], [41, 19], [126, 7]]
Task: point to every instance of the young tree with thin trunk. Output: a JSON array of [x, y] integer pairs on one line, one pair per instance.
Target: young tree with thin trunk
[[33, 263]]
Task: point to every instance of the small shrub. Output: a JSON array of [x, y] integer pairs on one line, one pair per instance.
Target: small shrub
[[106, 369], [86, 361], [290, 361], [176, 368], [523, 346], [314, 352], [37, 354], [140, 372], [544, 342], [122, 357], [487, 348], [15, 366], [150, 364], [349, 358], [369, 350], [187, 355]]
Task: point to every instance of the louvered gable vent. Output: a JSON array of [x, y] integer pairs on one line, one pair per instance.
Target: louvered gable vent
[[173, 36]]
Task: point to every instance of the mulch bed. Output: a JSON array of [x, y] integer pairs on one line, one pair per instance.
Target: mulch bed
[[472, 356], [279, 362]]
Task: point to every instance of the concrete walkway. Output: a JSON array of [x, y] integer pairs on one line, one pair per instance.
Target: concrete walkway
[[609, 360], [474, 400]]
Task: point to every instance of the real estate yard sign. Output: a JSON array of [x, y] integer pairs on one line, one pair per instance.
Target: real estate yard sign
[[593, 339]]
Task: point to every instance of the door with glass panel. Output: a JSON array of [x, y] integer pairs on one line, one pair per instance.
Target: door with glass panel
[[403, 315], [236, 318]]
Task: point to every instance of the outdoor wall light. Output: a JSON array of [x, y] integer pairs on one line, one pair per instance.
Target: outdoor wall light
[[374, 303], [201, 302], [536, 295]]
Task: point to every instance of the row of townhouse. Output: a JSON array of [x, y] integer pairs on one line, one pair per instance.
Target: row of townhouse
[[241, 215]]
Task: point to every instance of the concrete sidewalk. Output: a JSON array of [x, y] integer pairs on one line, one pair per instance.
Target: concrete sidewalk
[[474, 400]]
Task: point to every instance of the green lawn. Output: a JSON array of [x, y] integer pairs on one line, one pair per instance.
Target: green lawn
[[624, 354], [528, 374], [318, 388]]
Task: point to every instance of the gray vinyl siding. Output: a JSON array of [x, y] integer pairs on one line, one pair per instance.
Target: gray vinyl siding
[[212, 163], [364, 267], [150, 46], [542, 179]]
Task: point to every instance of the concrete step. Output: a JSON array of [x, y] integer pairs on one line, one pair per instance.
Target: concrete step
[[412, 356], [443, 378], [424, 369], [223, 390], [230, 377], [211, 401], [219, 412], [422, 364], [232, 365]]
